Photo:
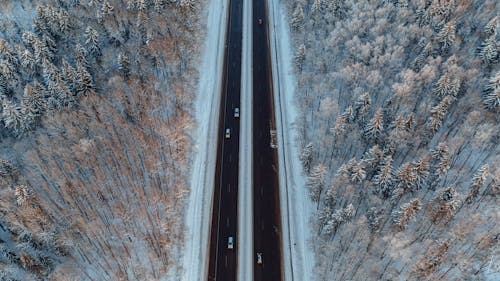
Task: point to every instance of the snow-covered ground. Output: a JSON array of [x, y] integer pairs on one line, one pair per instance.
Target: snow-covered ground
[[295, 204], [198, 219]]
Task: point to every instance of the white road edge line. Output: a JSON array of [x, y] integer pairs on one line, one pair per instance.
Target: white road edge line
[[245, 191], [199, 210]]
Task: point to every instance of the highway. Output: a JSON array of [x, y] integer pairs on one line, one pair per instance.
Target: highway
[[222, 262], [267, 228]]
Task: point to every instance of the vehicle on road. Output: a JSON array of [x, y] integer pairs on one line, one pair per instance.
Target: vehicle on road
[[259, 258], [237, 112], [259, 21], [228, 133], [230, 242]]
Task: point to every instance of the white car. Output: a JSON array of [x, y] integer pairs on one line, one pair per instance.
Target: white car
[[259, 258], [237, 112], [228, 133], [230, 242]]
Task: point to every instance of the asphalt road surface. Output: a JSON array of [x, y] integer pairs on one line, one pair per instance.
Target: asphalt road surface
[[223, 263], [267, 228]]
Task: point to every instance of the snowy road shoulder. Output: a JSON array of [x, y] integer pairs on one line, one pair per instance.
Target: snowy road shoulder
[[198, 219], [298, 257]]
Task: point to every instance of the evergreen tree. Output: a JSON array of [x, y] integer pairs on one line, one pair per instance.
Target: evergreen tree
[[316, 182], [300, 56], [12, 117], [33, 99], [406, 213], [422, 167], [492, 26], [7, 169], [23, 194], [438, 113], [297, 17], [374, 128], [7, 53], [358, 173], [81, 56], [84, 82], [447, 36], [406, 177], [123, 64], [69, 76], [491, 93], [27, 61], [477, 182], [361, 107], [92, 41], [306, 157], [337, 218], [489, 50], [373, 218], [384, 180], [446, 203], [106, 8]]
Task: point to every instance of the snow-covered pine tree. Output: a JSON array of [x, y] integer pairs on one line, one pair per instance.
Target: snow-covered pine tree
[[64, 95], [69, 76], [375, 127], [27, 61], [7, 53], [446, 203], [337, 218], [23, 194], [361, 108], [50, 43], [7, 169], [84, 81], [348, 114], [300, 56], [41, 52], [123, 64], [12, 116], [81, 56], [422, 168], [406, 177], [28, 39], [106, 8], [406, 212], [50, 71], [492, 26], [477, 182], [315, 182], [384, 180], [358, 173], [491, 92], [489, 50], [297, 19], [92, 41], [438, 113], [306, 157], [33, 99], [446, 37], [373, 219]]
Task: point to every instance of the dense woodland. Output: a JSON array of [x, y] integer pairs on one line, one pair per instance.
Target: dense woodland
[[96, 105], [399, 129]]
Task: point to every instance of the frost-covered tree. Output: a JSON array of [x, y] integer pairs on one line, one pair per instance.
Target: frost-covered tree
[[33, 99], [7, 169], [373, 218], [422, 168], [384, 180], [491, 93], [348, 114], [123, 64], [406, 177], [81, 56], [375, 127], [447, 36], [447, 86], [23, 194], [297, 19], [406, 212], [7, 53], [84, 81], [300, 56], [306, 157], [11, 115], [337, 218], [446, 203], [477, 182], [92, 41], [106, 8], [69, 75], [361, 107], [492, 26], [27, 61], [438, 114], [315, 183], [358, 173], [489, 50]]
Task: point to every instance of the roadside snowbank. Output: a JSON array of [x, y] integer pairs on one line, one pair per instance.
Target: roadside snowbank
[[295, 204], [198, 219]]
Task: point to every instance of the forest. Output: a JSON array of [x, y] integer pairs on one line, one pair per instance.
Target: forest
[[96, 107], [399, 107]]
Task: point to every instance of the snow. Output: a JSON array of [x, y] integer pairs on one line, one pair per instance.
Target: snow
[[198, 216], [295, 206], [245, 183]]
